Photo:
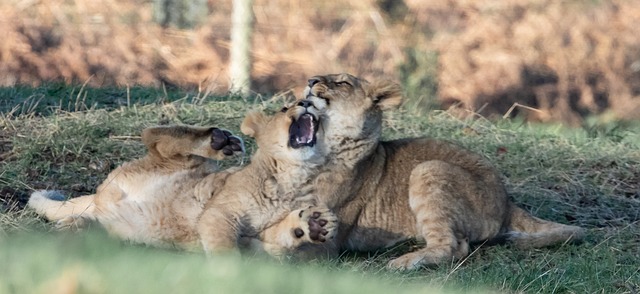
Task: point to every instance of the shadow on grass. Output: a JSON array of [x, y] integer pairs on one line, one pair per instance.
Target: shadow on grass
[[53, 97]]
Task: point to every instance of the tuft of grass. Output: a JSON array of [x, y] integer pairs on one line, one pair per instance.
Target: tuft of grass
[[576, 176], [93, 263]]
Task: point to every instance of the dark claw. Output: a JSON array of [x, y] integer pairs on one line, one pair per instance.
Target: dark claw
[[236, 147], [227, 133], [324, 232], [322, 222], [316, 214]]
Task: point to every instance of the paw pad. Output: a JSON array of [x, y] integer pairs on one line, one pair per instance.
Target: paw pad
[[225, 141], [316, 227], [312, 225]]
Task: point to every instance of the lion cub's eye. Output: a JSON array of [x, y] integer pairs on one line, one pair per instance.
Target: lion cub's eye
[[284, 109], [343, 83]]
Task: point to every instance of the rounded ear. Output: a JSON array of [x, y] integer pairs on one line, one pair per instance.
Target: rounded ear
[[253, 122], [386, 94]]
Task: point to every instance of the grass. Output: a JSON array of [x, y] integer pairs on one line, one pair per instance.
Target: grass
[[94, 263], [589, 177]]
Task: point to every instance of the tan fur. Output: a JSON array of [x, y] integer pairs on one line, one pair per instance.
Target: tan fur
[[388, 191], [255, 198], [157, 200], [150, 200]]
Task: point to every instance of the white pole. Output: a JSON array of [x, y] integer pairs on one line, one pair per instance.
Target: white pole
[[241, 30]]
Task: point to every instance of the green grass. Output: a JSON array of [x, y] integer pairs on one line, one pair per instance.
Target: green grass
[[52, 139], [93, 263]]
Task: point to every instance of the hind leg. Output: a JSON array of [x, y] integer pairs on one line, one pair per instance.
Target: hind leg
[[172, 141], [437, 207]]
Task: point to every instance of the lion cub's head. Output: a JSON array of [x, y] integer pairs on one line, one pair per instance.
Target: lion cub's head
[[353, 107], [291, 135]]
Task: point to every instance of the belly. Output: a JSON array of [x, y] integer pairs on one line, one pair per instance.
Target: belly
[[154, 209], [382, 224]]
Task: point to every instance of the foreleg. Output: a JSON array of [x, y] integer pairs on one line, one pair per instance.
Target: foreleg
[[174, 141]]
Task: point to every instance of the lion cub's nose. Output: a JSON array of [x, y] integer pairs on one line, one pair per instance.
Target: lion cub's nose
[[313, 81], [305, 103]]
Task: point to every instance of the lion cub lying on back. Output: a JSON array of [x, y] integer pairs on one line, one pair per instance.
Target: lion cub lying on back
[[389, 191], [150, 200], [157, 200]]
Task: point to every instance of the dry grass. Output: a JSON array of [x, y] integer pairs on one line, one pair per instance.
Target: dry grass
[[116, 42], [566, 59]]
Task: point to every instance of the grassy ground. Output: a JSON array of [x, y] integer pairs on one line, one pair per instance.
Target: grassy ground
[[69, 138]]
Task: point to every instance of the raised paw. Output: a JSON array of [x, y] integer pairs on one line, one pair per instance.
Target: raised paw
[[226, 142], [317, 225]]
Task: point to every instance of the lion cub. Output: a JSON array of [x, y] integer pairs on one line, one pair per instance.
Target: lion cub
[[277, 181], [389, 191], [158, 200], [150, 200]]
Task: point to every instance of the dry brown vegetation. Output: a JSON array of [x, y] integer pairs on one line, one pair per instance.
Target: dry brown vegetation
[[566, 59]]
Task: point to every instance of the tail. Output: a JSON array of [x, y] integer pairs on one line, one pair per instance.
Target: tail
[[52, 206], [527, 231]]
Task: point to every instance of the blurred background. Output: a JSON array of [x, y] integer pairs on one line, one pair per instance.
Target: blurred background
[[543, 60]]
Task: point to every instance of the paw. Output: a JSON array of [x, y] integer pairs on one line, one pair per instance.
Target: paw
[[223, 140], [73, 223], [204, 190], [407, 262], [316, 225], [428, 257]]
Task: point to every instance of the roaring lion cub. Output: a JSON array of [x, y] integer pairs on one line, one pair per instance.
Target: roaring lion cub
[[157, 200], [388, 191], [277, 181]]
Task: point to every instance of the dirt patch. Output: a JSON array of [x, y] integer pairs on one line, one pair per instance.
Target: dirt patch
[[11, 199]]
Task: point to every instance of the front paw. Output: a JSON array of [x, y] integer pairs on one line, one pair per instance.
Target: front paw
[[207, 187], [316, 225], [225, 141]]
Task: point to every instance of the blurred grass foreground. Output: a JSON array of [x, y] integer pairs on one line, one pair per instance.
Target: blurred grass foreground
[[546, 60]]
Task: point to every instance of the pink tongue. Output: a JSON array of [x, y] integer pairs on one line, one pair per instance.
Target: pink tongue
[[305, 125]]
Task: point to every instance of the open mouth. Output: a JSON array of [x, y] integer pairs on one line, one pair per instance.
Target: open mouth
[[302, 131]]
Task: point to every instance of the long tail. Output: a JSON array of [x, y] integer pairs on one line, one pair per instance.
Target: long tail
[[52, 206], [527, 231]]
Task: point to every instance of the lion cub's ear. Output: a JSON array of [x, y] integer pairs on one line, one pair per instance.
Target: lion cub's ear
[[385, 94], [253, 122]]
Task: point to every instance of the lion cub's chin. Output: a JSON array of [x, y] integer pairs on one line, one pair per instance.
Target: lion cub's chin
[[307, 154]]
